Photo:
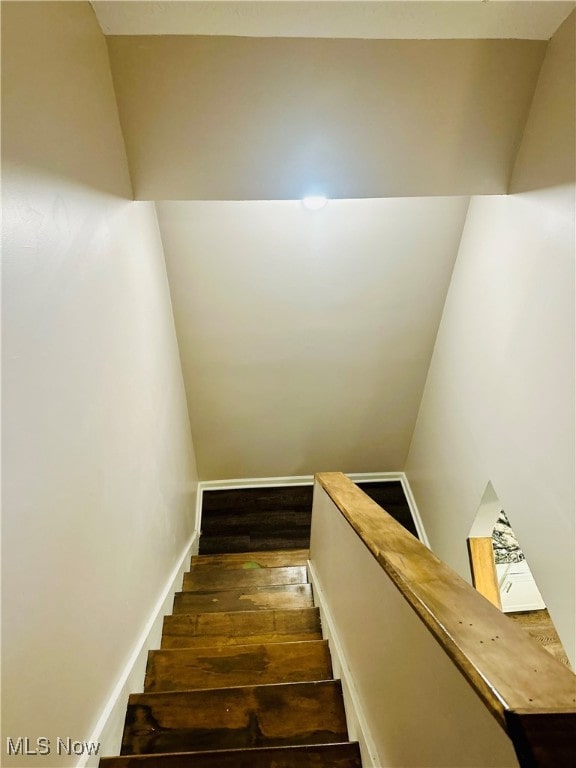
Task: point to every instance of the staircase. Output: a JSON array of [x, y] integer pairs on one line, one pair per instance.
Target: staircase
[[243, 678]]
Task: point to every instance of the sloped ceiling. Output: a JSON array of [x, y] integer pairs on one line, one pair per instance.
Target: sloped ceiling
[[305, 337], [266, 100], [235, 118], [473, 19]]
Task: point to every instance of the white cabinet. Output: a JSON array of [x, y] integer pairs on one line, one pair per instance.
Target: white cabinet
[[518, 590]]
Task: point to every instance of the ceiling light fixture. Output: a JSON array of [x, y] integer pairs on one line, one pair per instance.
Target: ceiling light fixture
[[314, 202]]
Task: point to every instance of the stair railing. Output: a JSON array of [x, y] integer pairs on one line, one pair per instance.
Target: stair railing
[[424, 703]]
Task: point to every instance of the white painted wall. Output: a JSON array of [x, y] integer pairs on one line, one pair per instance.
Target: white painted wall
[[394, 672], [305, 337], [98, 465], [499, 400]]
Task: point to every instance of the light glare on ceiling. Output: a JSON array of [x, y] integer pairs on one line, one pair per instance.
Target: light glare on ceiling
[[314, 202]]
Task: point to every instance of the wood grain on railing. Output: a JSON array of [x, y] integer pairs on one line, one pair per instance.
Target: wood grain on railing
[[530, 693]]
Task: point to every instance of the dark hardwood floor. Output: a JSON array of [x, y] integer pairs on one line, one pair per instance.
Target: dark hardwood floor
[[256, 519], [540, 626], [260, 519], [390, 496]]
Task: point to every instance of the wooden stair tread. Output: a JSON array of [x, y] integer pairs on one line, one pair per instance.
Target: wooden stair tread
[[198, 580], [240, 628], [244, 599], [251, 560], [243, 678], [254, 542], [341, 755], [191, 669], [234, 718]]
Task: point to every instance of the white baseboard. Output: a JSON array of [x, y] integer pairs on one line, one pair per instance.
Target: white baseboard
[[110, 725], [358, 729], [255, 482], [375, 477], [414, 510], [389, 477]]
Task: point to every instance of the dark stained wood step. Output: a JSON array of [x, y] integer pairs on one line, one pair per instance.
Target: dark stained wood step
[[255, 577], [240, 627], [251, 560], [389, 494], [259, 519], [235, 718], [256, 519], [256, 664], [248, 599], [343, 755]]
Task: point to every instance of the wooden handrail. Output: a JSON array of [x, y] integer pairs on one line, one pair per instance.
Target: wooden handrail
[[529, 692]]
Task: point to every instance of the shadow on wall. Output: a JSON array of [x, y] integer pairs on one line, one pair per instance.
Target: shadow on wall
[[551, 119], [73, 131]]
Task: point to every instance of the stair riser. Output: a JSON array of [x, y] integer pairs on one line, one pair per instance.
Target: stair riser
[[221, 641], [277, 540], [250, 599], [243, 679], [235, 718], [242, 665]]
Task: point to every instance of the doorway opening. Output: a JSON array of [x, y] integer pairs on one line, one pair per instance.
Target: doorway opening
[[501, 573], [499, 568]]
